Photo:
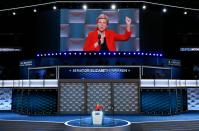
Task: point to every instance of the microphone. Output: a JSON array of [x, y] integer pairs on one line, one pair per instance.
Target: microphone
[[99, 37]]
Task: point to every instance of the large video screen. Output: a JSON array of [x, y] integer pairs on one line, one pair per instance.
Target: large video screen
[[75, 25]]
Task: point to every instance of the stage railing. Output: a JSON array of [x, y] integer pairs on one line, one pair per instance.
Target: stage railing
[[143, 83], [29, 83], [168, 83]]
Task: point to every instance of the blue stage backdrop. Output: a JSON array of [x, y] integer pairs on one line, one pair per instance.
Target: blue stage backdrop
[[76, 24], [34, 102], [163, 101]]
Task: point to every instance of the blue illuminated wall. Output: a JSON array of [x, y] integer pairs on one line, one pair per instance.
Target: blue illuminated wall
[[163, 101], [76, 24], [5, 98], [35, 101], [192, 96]]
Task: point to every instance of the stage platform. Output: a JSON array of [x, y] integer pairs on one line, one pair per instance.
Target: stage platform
[[188, 121], [132, 118]]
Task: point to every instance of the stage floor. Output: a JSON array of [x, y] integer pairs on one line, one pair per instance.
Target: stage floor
[[188, 121], [188, 116]]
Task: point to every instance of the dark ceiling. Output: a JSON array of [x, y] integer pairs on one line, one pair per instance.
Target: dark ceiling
[[5, 4]]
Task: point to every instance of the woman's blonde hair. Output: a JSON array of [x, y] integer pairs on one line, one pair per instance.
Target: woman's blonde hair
[[103, 16]]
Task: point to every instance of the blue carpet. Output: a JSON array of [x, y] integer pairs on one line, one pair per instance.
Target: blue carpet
[[132, 118]]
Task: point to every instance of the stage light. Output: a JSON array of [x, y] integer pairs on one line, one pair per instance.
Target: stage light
[[84, 6], [164, 10], [13, 13], [113, 6], [185, 13], [144, 7], [35, 10], [54, 7], [100, 53]]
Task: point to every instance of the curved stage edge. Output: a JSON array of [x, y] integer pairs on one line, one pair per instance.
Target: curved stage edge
[[109, 124]]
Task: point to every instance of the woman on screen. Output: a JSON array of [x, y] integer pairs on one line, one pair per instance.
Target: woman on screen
[[103, 39]]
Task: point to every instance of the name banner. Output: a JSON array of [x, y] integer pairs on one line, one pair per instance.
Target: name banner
[[99, 72]]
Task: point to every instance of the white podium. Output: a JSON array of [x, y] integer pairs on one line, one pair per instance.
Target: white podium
[[97, 117]]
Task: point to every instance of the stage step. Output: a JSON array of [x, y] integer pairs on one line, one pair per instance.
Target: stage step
[[166, 126], [30, 126]]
